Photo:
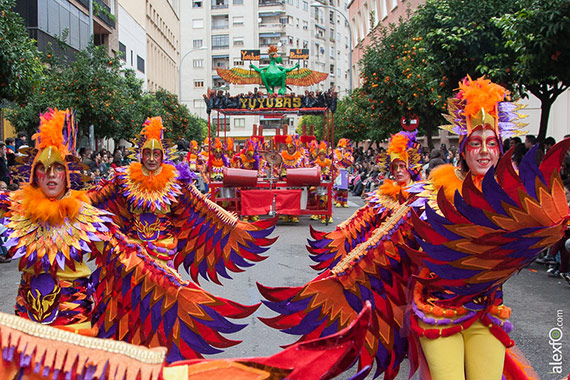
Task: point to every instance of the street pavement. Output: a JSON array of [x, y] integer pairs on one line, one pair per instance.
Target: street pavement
[[539, 303]]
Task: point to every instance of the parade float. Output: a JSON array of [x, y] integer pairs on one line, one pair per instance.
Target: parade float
[[269, 187]]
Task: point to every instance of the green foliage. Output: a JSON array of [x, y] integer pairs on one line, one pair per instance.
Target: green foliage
[[397, 82], [105, 95], [307, 120], [355, 119], [20, 66], [537, 34], [177, 120], [412, 67]]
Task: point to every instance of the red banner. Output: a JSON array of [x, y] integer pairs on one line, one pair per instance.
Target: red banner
[[260, 202]]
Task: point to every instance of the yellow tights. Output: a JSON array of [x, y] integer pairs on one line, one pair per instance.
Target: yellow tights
[[473, 354]]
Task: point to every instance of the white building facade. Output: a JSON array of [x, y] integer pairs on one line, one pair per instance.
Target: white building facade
[[213, 33], [132, 43]]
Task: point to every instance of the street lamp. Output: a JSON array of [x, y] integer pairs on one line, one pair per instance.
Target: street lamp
[[319, 5], [180, 71]]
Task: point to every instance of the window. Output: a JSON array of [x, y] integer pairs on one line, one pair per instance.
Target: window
[[196, 3], [305, 44], [221, 42], [122, 51], [305, 25], [297, 3], [305, 5], [197, 23], [140, 64], [197, 43], [220, 22], [198, 103], [283, 20], [238, 62], [238, 41], [238, 2], [239, 122], [297, 22], [332, 52], [238, 20], [331, 17], [332, 69], [332, 34], [198, 63], [198, 83], [217, 4]]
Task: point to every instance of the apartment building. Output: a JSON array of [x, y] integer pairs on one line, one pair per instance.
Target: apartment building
[[215, 31], [48, 20]]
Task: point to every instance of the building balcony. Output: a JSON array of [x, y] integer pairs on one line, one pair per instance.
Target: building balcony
[[271, 3], [272, 26], [105, 14], [221, 26]]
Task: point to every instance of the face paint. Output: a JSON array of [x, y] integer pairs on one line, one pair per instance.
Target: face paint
[[152, 159], [400, 172], [482, 151], [291, 149], [51, 180]]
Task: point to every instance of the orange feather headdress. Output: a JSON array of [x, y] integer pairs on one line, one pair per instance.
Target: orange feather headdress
[[482, 103], [403, 146], [152, 137], [55, 142]]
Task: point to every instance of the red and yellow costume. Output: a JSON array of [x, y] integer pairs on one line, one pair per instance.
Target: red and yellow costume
[[54, 237], [461, 238], [194, 161], [342, 161], [289, 160]]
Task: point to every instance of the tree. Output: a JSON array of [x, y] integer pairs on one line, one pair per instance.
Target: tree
[[537, 35], [20, 66], [354, 119], [311, 120], [398, 82], [177, 120]]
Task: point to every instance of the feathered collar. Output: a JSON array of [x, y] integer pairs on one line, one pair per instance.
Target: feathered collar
[[322, 163], [449, 177], [40, 209], [291, 157], [391, 189], [48, 235], [147, 190]]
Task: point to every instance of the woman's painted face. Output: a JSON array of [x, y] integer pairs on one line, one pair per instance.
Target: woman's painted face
[[51, 180], [482, 151], [151, 159], [400, 172]]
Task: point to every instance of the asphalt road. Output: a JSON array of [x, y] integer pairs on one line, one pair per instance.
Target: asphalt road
[[539, 303]]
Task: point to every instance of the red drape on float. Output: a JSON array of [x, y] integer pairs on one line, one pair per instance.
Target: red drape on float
[[260, 202]]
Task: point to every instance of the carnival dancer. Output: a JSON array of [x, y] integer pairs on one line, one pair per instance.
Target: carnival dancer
[[343, 161], [195, 164], [53, 230], [155, 204], [467, 230], [230, 152], [292, 157], [325, 164], [217, 162]]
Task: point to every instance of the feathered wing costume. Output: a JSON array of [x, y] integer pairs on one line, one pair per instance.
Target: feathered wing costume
[[175, 222], [328, 248], [134, 298], [33, 352], [466, 242]]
